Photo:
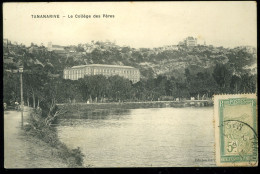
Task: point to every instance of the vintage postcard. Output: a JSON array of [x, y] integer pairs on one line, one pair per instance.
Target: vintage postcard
[[129, 84], [236, 134]]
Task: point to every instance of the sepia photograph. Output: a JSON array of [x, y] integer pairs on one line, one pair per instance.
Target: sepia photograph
[[129, 84]]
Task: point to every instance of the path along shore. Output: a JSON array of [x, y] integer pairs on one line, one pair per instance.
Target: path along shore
[[23, 151]]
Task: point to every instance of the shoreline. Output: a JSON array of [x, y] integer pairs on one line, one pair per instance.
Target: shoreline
[[37, 147], [146, 104], [81, 110], [25, 151], [37, 129]]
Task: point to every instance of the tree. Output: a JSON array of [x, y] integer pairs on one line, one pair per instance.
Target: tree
[[239, 58], [235, 84], [120, 88], [33, 86], [11, 87], [169, 86], [160, 85], [54, 112], [222, 76], [140, 90], [248, 83], [96, 86]]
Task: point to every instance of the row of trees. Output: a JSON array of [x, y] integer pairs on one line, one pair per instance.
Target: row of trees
[[196, 72], [40, 89]]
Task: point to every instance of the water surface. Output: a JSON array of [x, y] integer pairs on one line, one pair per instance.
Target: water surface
[[156, 137]]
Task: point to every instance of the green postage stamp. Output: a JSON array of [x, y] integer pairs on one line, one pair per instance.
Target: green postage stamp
[[236, 136]]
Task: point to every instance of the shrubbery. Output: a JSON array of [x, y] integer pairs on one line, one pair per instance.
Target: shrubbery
[[36, 127]]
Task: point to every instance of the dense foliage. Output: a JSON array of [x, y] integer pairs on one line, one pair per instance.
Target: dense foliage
[[36, 127], [196, 72]]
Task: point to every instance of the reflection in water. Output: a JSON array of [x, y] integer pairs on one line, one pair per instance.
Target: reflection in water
[[105, 114], [143, 137], [97, 114]]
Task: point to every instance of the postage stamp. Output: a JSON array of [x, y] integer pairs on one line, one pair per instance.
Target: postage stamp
[[236, 137]]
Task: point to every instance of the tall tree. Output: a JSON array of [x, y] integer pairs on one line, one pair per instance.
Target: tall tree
[[222, 76]]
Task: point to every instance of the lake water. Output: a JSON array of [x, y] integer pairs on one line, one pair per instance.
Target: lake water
[[156, 137]]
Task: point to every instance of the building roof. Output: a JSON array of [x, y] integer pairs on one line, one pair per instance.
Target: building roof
[[102, 65], [191, 38], [57, 46]]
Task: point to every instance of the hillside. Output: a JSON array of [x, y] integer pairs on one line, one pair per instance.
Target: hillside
[[166, 72], [151, 62]]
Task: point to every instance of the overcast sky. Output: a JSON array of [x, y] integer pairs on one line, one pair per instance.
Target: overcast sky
[[137, 24]]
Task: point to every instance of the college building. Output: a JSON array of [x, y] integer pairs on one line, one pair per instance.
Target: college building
[[77, 72]]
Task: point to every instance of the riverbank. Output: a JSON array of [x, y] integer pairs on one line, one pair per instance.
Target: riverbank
[[147, 104], [101, 109], [36, 145], [23, 151]]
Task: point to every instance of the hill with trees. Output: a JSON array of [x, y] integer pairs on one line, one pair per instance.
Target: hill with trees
[[182, 72]]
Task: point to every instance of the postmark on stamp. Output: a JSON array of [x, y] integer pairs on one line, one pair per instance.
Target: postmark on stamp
[[236, 134]]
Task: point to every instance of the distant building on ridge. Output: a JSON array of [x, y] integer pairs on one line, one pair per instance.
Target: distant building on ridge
[[6, 42], [189, 42], [55, 47]]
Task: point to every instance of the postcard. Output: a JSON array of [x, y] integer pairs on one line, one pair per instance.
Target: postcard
[[129, 84]]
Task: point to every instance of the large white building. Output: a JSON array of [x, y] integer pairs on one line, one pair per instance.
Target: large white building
[[77, 72]]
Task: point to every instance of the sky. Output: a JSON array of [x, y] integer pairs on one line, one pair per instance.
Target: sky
[[135, 24]]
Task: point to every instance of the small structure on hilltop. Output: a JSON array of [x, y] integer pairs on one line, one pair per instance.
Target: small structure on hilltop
[[56, 48], [189, 42]]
